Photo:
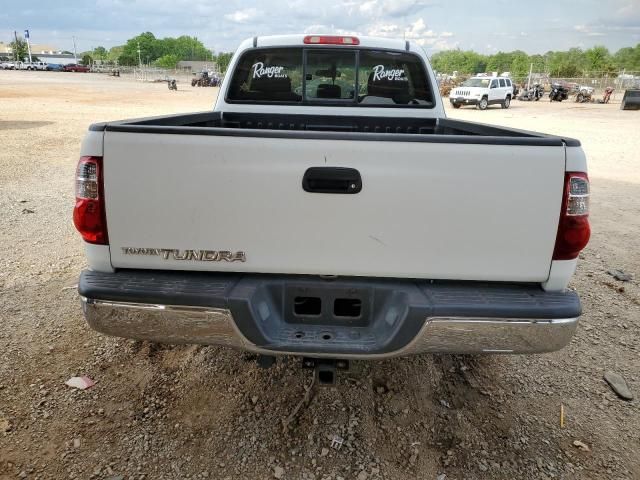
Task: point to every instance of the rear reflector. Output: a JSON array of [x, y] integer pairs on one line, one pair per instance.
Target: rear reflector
[[330, 40], [89, 213], [573, 230]]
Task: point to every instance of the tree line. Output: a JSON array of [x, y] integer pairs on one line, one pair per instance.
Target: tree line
[[572, 63], [162, 52], [575, 62]]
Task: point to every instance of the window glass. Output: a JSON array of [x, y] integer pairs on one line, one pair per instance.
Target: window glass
[[333, 76], [502, 83], [273, 75], [476, 82], [330, 75], [392, 78], [494, 83], [508, 82]]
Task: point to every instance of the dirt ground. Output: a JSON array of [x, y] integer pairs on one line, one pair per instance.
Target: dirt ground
[[191, 412]]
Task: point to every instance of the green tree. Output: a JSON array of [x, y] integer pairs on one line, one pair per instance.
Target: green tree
[[500, 62], [223, 59], [520, 63], [152, 48], [19, 49], [186, 48], [570, 63], [100, 53], [459, 60], [566, 64], [169, 61], [628, 58], [142, 47], [86, 60], [114, 53], [598, 59]]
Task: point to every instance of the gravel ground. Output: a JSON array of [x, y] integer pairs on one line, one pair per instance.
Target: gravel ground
[[191, 412]]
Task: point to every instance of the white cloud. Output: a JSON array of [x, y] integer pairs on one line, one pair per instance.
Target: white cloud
[[392, 8], [416, 31], [587, 30], [242, 16], [369, 8], [384, 30], [319, 28]]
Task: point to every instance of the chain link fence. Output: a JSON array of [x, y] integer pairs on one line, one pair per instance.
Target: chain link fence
[[148, 73], [620, 83]]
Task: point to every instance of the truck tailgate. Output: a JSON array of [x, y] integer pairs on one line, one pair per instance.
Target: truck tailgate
[[426, 209]]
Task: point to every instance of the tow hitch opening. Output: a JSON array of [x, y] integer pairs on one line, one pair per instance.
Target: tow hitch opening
[[325, 369]]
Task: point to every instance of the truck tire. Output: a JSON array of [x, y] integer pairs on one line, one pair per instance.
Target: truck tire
[[456, 105], [483, 103], [507, 102]]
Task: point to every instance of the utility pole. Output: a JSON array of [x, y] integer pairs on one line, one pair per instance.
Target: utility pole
[[75, 53], [15, 50], [26, 36], [530, 72], [139, 57]]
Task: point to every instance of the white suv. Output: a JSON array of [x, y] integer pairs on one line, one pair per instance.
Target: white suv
[[483, 91]]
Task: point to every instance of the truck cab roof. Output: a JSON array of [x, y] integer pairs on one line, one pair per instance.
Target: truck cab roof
[[298, 39]]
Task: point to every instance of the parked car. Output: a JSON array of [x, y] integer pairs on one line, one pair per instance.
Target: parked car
[[351, 220], [7, 66], [31, 66], [73, 67], [55, 67], [482, 92], [43, 66]]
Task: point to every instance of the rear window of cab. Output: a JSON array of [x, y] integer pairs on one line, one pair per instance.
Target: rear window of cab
[[338, 77]]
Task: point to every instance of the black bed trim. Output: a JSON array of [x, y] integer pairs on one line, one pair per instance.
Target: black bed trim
[[475, 133]]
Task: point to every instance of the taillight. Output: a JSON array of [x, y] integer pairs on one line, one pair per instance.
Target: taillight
[[89, 213], [331, 40], [573, 229]]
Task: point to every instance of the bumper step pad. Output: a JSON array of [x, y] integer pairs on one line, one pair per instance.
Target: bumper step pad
[[392, 317]]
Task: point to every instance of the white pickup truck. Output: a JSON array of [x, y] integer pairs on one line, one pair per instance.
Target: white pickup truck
[[32, 66], [328, 208]]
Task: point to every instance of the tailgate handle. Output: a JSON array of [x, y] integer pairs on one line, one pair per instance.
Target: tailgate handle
[[332, 180]]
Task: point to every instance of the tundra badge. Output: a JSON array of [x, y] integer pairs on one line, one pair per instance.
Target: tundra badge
[[194, 255]]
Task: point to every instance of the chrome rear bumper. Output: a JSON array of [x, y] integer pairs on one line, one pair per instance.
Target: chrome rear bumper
[[216, 326]]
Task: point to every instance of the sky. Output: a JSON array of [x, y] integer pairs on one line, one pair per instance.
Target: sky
[[487, 27]]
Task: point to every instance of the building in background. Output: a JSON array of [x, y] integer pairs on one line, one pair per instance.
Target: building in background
[[198, 66], [5, 51], [56, 58], [44, 53]]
